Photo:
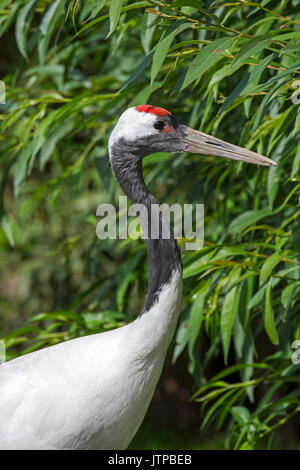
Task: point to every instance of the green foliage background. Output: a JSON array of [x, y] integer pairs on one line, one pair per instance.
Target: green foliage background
[[229, 68]]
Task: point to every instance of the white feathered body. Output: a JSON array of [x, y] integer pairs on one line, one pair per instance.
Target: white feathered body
[[91, 392]]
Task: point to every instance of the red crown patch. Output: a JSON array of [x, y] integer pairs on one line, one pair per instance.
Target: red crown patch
[[147, 108]]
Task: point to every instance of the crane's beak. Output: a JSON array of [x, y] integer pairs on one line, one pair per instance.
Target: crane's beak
[[198, 142]]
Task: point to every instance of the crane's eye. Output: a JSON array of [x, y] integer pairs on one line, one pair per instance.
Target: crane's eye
[[159, 125]]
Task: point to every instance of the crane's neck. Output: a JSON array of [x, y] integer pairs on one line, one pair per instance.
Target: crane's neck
[[163, 253]]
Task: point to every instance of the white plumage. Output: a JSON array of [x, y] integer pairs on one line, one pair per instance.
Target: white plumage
[[91, 392]]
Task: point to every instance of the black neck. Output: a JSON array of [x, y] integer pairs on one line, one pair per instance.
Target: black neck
[[163, 254]]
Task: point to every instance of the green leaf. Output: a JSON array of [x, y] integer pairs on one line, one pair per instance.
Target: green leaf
[[92, 23], [195, 320], [181, 339], [21, 168], [22, 25], [236, 368], [51, 142], [162, 48], [10, 18], [256, 71], [216, 405], [220, 74], [268, 97], [48, 24], [143, 97], [228, 312], [268, 267], [241, 414], [198, 264], [248, 218], [273, 183], [147, 32], [115, 7], [6, 224], [269, 319], [138, 71], [252, 47], [235, 92], [287, 293], [286, 36], [205, 59], [296, 162], [97, 8]]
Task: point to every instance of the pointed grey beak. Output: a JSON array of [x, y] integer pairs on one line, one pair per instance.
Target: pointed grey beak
[[198, 142]]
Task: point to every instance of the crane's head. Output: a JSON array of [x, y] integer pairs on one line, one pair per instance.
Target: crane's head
[[146, 129]]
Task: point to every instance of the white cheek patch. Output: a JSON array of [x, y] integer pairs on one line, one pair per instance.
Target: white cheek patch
[[132, 125]]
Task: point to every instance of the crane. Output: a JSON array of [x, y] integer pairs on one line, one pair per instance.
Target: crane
[[92, 392]]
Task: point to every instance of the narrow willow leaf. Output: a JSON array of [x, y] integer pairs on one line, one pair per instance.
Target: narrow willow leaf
[[53, 139], [252, 47], [279, 76], [162, 48], [138, 71], [181, 339], [287, 36], [287, 293], [97, 8], [11, 118], [236, 368], [263, 107], [115, 7], [195, 319], [6, 225], [296, 161], [216, 405], [4, 180], [227, 408], [126, 279], [286, 119], [241, 414], [205, 59], [22, 25], [20, 169], [248, 218], [10, 18], [273, 184], [222, 73], [196, 266], [255, 10], [269, 319], [92, 23], [257, 70], [48, 24], [268, 267], [235, 92], [143, 97], [228, 313], [257, 298], [147, 30]]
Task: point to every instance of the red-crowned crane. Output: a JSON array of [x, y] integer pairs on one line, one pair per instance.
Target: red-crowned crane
[[93, 392]]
